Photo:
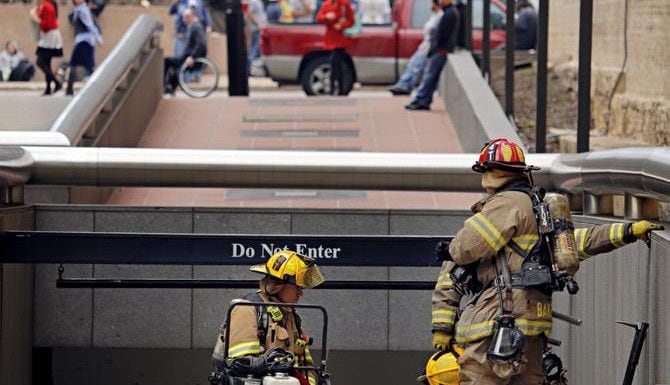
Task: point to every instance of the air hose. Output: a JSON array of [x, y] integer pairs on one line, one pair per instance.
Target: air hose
[[275, 360]]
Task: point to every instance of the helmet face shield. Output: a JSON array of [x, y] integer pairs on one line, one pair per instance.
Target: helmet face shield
[[309, 277], [291, 267]]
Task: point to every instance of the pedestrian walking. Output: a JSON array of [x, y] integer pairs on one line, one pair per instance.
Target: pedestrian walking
[[442, 42], [257, 20], [50, 43], [87, 36], [337, 15]]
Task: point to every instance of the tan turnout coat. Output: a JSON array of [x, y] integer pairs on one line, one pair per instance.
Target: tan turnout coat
[[244, 338], [445, 300]]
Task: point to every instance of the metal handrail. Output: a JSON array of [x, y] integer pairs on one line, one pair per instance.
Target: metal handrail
[[75, 119], [642, 172]]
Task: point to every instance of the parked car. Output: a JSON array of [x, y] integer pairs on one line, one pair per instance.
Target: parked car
[[293, 53]]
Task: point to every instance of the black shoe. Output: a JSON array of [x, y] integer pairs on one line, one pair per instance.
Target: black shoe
[[397, 91], [417, 107], [57, 87]]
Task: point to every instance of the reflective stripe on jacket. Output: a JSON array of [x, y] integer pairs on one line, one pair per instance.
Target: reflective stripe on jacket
[[600, 239], [244, 337], [505, 216], [445, 301], [531, 309]]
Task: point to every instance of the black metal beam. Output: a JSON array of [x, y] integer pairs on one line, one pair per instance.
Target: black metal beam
[[122, 283], [238, 73], [201, 249], [486, 41], [541, 95], [509, 59], [468, 25], [584, 90]]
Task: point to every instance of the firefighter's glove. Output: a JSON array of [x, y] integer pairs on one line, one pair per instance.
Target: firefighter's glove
[[642, 229], [441, 340], [442, 251]]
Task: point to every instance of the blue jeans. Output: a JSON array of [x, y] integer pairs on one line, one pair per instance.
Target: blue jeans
[[431, 75], [254, 46], [412, 75]]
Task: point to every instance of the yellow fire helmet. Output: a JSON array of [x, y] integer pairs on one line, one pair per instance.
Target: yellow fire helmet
[[291, 267], [442, 368]]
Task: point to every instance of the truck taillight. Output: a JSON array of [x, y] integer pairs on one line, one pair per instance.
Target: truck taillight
[[265, 42]]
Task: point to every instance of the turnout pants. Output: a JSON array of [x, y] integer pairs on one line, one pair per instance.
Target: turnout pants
[[477, 369]]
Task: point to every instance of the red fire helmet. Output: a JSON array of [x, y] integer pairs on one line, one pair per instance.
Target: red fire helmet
[[502, 154]]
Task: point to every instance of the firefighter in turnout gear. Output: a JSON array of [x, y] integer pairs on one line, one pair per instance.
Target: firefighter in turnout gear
[[590, 242], [286, 274], [504, 231]]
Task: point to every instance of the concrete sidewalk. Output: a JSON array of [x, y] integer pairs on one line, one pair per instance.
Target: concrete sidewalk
[[365, 123], [255, 83]]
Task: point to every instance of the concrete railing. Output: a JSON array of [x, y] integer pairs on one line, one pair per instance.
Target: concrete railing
[[473, 108], [90, 112]]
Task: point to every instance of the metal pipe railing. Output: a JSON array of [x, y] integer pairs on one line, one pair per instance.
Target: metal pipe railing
[[255, 169], [509, 58], [486, 41], [468, 25], [584, 81], [541, 89], [77, 116], [642, 172]]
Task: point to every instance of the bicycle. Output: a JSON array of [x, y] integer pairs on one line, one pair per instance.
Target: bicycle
[[200, 79]]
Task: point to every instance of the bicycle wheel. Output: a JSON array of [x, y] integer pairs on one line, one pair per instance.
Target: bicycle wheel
[[199, 80]]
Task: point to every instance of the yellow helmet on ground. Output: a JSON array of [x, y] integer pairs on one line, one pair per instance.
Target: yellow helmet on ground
[[291, 267], [442, 368]]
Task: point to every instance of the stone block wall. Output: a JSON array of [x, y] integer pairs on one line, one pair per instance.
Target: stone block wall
[[372, 320], [630, 86]]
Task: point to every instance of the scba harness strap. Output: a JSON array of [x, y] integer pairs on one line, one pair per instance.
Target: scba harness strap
[[536, 266], [275, 314]]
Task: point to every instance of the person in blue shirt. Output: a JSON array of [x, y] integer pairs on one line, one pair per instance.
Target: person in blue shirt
[[86, 37], [177, 9]]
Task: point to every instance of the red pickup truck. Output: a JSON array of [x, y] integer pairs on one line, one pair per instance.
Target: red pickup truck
[[293, 53]]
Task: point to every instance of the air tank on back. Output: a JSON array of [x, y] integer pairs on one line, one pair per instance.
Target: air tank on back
[[564, 246]]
